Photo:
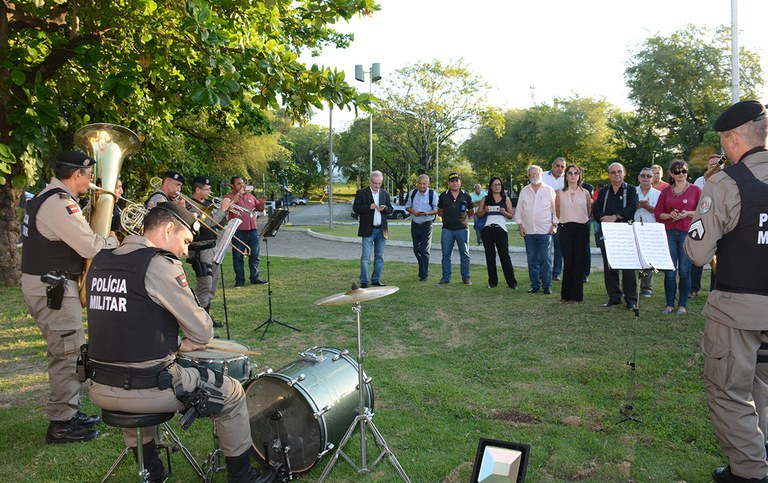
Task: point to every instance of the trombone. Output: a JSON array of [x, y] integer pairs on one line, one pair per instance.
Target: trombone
[[132, 217], [156, 182]]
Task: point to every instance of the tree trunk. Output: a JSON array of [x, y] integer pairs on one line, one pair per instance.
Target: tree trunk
[[10, 262]]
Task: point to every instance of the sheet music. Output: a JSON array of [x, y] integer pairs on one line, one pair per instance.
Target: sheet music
[[654, 248], [620, 246]]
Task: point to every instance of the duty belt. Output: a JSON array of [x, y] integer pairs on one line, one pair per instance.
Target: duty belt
[[131, 378]]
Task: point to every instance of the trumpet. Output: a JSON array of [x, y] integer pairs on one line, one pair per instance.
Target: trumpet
[[156, 182], [715, 168], [233, 207]]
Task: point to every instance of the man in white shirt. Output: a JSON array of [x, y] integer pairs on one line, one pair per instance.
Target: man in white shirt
[[648, 196], [537, 221], [555, 178], [422, 205]]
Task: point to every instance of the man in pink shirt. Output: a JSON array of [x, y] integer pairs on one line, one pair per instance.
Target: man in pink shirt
[[247, 232], [537, 221]]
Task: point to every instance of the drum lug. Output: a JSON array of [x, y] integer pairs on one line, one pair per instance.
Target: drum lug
[[327, 449], [340, 354], [312, 355], [322, 411], [297, 380], [260, 374]]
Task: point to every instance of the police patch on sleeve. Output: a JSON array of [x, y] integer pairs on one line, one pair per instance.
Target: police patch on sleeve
[[182, 280], [705, 204], [73, 208], [696, 231]]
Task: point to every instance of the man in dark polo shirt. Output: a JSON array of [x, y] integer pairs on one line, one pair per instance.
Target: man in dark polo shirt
[[455, 208]]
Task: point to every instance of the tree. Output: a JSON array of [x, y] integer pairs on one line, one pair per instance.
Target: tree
[[574, 128], [146, 65], [681, 83], [307, 165]]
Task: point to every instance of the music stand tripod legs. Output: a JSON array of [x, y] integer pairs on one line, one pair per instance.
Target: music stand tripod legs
[[271, 320], [364, 419]]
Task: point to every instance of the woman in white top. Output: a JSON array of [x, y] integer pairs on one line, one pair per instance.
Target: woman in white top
[[573, 205], [497, 208]]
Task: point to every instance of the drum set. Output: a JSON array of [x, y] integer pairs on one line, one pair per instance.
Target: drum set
[[307, 408]]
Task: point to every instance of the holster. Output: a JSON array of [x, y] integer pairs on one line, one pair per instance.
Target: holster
[[84, 367], [197, 264], [54, 293]]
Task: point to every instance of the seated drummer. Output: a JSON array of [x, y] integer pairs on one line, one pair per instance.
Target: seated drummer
[[138, 299]]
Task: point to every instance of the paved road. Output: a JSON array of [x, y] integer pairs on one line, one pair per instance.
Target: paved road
[[303, 243]]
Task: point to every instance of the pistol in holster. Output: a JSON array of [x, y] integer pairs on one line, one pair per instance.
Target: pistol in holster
[[54, 292]]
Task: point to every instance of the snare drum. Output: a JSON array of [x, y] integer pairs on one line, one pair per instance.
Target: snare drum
[[307, 406], [232, 364]]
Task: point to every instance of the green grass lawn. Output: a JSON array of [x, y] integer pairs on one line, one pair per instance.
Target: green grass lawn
[[449, 365]]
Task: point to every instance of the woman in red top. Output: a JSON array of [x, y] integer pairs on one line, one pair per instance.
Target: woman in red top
[[675, 208]]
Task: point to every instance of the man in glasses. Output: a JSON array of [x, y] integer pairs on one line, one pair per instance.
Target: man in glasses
[[57, 240], [555, 179], [617, 203], [731, 221], [647, 197]]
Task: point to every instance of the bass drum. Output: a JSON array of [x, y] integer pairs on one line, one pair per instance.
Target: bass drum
[[306, 406]]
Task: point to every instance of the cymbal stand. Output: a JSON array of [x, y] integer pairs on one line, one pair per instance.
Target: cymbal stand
[[212, 464], [364, 418]]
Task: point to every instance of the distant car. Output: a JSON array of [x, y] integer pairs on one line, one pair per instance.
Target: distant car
[[298, 201], [398, 213]]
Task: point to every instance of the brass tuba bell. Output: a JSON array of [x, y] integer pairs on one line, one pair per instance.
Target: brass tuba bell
[[108, 144]]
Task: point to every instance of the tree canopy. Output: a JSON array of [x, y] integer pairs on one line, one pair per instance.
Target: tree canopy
[[150, 66]]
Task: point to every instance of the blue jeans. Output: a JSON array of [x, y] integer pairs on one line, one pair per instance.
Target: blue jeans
[[421, 233], [537, 248], [447, 239], [375, 242], [250, 238], [675, 238], [557, 257]]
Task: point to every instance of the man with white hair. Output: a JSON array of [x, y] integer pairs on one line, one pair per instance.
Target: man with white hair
[[372, 206]]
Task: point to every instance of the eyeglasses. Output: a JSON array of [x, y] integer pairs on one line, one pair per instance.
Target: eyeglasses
[[495, 184], [680, 171], [572, 173], [646, 176]]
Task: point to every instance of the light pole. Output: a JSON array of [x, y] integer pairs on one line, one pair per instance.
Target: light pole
[[330, 165], [374, 74]]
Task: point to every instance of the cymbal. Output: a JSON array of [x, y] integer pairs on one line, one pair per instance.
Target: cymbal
[[357, 295]]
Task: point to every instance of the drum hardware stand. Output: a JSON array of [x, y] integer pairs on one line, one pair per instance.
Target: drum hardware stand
[[270, 230], [364, 417], [212, 463], [168, 439]]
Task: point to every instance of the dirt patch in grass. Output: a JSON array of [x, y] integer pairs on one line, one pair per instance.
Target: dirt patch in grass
[[515, 417]]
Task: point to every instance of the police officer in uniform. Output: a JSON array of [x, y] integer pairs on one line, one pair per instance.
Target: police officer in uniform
[[201, 250], [731, 222], [138, 299], [169, 190], [56, 239]]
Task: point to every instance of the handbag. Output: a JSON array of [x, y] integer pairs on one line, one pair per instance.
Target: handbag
[[480, 223]]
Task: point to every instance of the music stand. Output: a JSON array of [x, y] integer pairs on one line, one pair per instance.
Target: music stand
[[269, 231], [219, 251]]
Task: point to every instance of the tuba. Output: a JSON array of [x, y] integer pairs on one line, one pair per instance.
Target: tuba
[[108, 144]]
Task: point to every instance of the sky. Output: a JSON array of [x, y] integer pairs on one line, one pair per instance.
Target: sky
[[530, 51]]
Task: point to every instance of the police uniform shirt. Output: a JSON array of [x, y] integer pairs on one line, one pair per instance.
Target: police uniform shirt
[[717, 214], [59, 219], [167, 286]]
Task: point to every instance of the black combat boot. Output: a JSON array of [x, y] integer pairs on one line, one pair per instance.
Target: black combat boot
[[239, 470], [69, 432], [152, 462]]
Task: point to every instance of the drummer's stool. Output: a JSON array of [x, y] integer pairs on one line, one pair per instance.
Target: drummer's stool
[[168, 439]]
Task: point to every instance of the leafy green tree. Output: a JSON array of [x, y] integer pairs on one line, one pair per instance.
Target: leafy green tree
[[307, 166], [147, 65], [681, 83]]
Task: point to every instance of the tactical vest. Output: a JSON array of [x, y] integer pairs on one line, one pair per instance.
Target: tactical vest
[[41, 255], [158, 192], [742, 254], [124, 323], [205, 235]]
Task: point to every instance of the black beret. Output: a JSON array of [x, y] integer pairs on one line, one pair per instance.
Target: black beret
[[454, 175], [174, 175], [738, 114], [201, 180], [76, 159], [181, 214]]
